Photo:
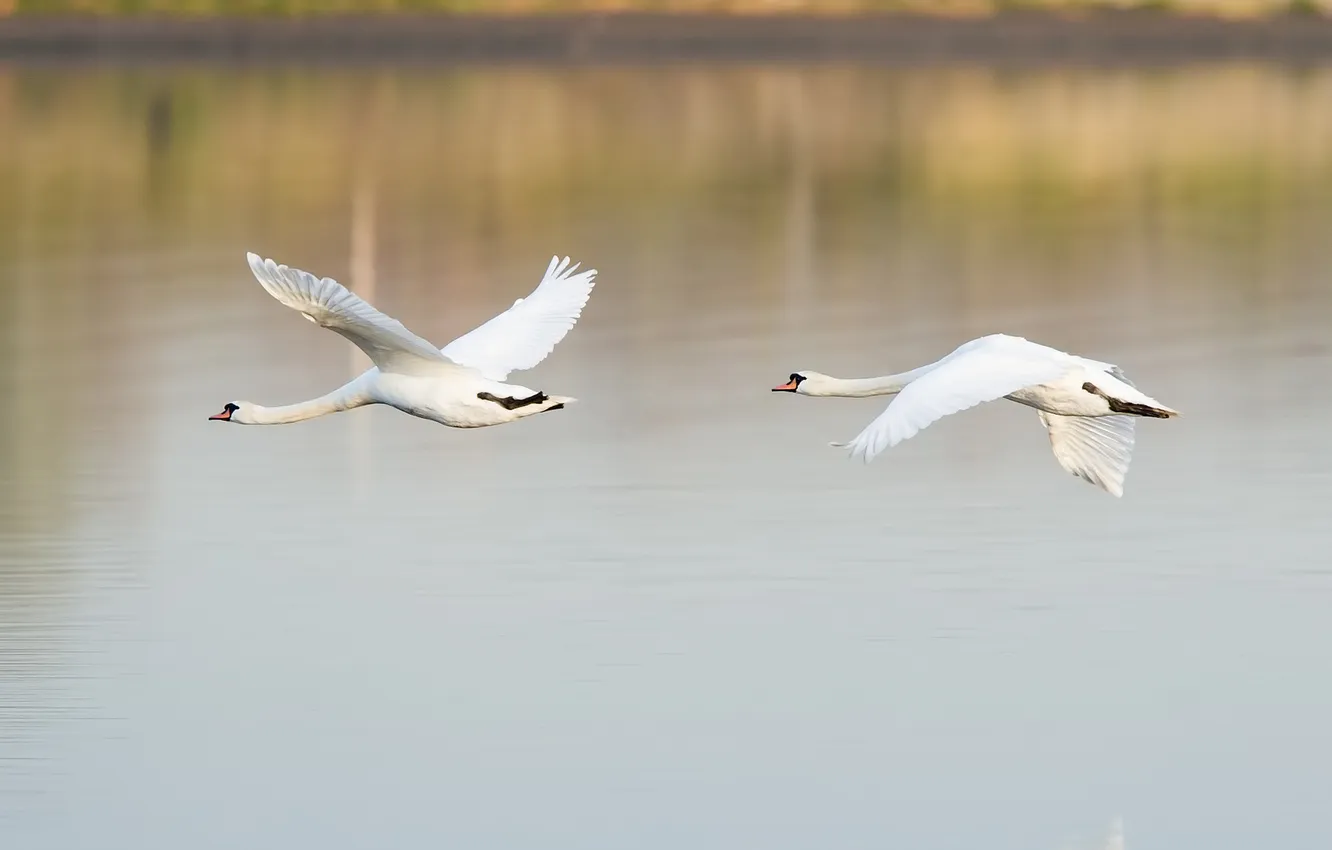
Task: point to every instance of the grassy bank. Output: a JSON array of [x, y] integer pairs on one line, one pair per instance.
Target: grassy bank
[[521, 7]]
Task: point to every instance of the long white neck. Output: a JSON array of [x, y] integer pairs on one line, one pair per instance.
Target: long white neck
[[864, 387], [343, 398]]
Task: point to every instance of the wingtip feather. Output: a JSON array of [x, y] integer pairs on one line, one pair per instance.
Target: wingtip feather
[[854, 451], [256, 263]]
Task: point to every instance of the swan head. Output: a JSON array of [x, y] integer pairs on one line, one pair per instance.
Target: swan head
[[235, 412], [805, 383]]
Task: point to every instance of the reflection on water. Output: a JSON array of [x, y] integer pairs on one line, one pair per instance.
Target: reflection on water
[[670, 617]]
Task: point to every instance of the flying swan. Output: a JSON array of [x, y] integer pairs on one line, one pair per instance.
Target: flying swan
[[1086, 406], [462, 386]]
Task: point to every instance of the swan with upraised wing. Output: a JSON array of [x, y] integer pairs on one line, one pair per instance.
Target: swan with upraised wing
[[463, 385]]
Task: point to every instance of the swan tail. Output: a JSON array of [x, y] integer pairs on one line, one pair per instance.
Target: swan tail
[[556, 402], [1147, 407], [1141, 404], [1124, 398]]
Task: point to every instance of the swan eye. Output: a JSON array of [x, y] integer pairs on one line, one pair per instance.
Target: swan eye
[[796, 378], [230, 407]]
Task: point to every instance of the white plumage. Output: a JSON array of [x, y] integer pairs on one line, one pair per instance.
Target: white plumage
[[1097, 450], [1086, 405], [463, 385], [329, 304], [526, 333]]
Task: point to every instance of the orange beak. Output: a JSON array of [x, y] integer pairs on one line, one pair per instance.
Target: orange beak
[[788, 387], [224, 416]]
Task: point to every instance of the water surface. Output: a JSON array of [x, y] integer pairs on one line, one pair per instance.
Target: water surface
[[669, 616]]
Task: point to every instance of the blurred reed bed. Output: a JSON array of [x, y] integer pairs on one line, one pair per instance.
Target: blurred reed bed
[[141, 150]]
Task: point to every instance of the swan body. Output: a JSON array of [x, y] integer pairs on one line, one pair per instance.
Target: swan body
[[463, 385], [1087, 407]]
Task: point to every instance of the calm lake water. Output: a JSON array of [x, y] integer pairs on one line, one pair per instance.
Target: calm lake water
[[670, 616]]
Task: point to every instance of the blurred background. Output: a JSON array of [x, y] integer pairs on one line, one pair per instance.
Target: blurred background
[[669, 616]]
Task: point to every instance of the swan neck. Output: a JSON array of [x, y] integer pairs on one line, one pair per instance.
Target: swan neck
[[334, 402], [866, 387]]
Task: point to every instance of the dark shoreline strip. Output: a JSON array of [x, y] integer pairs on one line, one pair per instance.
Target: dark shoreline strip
[[635, 37]]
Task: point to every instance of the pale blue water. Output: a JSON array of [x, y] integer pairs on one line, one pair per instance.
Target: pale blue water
[[669, 616]]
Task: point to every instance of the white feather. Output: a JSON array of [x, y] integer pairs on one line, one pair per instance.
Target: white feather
[[1097, 450], [526, 333], [331, 305], [410, 373], [982, 370], [1081, 401]]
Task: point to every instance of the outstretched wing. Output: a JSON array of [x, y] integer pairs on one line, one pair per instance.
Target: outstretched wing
[[1097, 450], [972, 374], [522, 336], [331, 305]]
